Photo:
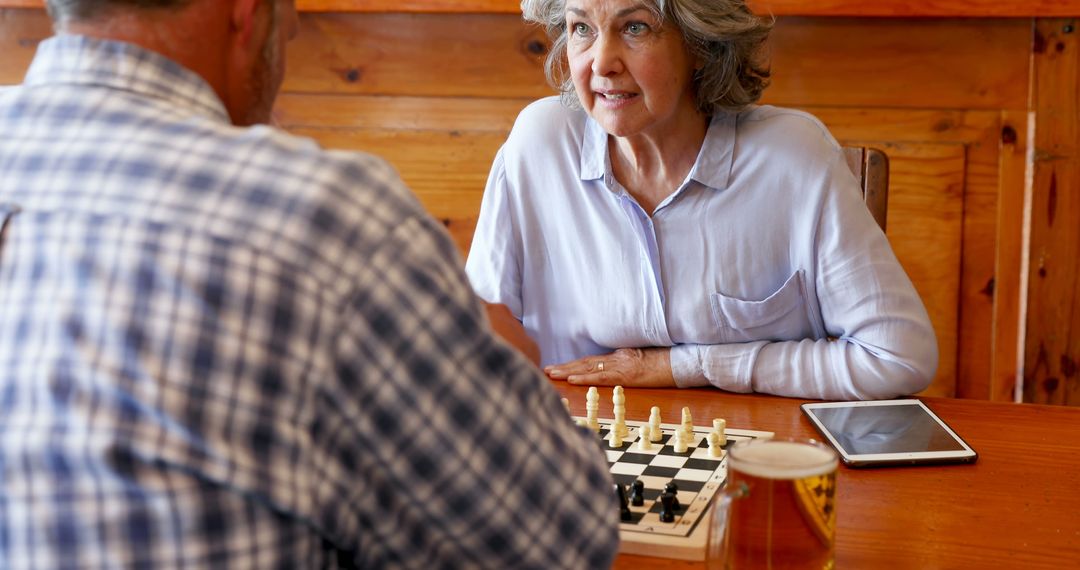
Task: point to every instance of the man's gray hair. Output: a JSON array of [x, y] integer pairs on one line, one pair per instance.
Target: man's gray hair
[[76, 10], [724, 35]]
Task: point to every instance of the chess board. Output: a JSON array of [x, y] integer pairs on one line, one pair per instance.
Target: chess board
[[698, 476]]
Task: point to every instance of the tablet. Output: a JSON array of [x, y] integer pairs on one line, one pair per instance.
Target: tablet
[[888, 432]]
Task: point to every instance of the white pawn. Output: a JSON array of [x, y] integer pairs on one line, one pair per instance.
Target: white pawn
[[644, 442], [715, 450], [614, 439], [719, 426], [655, 431], [592, 408], [618, 399], [680, 441]]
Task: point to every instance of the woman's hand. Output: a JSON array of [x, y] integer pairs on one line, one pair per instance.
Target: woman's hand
[[629, 367]]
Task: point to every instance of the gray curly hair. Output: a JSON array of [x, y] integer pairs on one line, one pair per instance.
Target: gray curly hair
[[722, 34]]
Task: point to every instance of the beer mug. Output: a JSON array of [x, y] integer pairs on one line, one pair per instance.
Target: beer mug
[[778, 509]]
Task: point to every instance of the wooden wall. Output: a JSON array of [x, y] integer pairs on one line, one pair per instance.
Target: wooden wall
[[952, 101]]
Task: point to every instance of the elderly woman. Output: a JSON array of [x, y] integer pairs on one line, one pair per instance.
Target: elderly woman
[[655, 227]]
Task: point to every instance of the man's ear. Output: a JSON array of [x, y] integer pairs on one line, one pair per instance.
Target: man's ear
[[244, 20]]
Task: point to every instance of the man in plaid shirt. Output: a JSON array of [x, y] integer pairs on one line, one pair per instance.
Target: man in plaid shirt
[[222, 346]]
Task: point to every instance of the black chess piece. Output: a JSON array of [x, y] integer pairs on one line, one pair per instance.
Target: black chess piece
[[674, 490], [637, 493], [667, 508], [624, 507]]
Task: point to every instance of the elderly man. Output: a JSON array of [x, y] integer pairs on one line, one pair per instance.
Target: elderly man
[[222, 346]]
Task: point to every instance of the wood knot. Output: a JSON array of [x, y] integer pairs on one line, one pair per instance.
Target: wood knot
[[989, 289], [1050, 385], [1008, 135], [536, 47], [351, 74], [1068, 366]]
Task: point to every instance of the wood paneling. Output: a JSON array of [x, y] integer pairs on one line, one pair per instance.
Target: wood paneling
[[893, 8], [1053, 313], [939, 96]]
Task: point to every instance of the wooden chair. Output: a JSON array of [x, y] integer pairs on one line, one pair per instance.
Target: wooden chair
[[871, 169]]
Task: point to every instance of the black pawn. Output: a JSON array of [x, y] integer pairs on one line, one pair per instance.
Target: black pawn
[[674, 490], [637, 493], [667, 508], [624, 507]]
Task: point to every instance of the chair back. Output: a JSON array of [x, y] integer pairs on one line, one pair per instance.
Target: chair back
[[871, 169]]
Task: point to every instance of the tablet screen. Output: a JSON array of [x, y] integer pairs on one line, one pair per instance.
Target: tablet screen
[[864, 430]]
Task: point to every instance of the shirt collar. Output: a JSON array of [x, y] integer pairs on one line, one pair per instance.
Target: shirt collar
[[712, 167], [72, 59]]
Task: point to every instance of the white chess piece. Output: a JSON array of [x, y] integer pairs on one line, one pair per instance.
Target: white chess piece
[[655, 431], [592, 408], [618, 399], [719, 426], [715, 450], [680, 441], [644, 442], [566, 404], [614, 439], [687, 424]]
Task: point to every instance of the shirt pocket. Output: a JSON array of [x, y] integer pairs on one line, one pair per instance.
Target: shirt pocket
[[780, 316]]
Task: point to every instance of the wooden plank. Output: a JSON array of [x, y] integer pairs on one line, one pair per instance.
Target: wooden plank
[[1053, 306], [955, 64], [936, 64], [893, 8], [1010, 284], [20, 32], [398, 113]]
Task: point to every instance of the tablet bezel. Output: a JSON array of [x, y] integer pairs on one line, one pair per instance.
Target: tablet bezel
[[964, 455]]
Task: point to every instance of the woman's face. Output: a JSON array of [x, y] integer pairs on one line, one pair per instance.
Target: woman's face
[[632, 74]]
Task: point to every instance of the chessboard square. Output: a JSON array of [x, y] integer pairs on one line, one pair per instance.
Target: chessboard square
[[705, 464], [613, 455], [692, 487], [635, 457], [655, 471], [624, 479], [676, 461], [654, 484], [635, 517], [694, 475], [670, 450], [635, 469]]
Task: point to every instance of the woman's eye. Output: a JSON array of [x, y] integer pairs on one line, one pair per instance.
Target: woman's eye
[[637, 28], [580, 29]]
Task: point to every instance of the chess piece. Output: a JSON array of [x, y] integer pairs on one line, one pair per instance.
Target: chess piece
[[680, 441], [614, 439], [674, 490], [667, 510], [719, 426], [624, 507], [655, 431], [566, 404], [687, 424], [618, 400], [592, 408], [644, 440], [637, 493], [715, 449]]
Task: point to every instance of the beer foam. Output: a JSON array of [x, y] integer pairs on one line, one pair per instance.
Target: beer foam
[[782, 460]]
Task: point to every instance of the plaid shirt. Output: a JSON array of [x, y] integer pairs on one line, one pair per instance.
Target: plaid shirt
[[227, 347]]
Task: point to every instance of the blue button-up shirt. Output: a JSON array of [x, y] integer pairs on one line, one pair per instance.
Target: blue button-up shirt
[[227, 347], [763, 270]]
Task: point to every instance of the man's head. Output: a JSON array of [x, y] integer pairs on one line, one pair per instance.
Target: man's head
[[237, 46]]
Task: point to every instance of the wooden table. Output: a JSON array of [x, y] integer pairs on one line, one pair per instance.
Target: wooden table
[[1017, 507]]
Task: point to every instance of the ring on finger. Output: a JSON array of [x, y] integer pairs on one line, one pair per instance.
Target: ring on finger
[[600, 366]]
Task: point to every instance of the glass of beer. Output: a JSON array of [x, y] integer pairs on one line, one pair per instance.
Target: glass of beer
[[778, 509]]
